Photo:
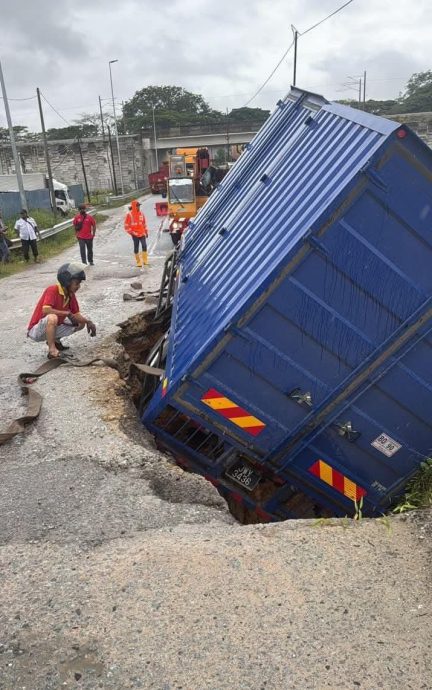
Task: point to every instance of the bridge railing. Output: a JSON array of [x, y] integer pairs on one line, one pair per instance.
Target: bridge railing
[[211, 128]]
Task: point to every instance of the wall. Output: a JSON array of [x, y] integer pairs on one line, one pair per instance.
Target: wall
[[66, 163]]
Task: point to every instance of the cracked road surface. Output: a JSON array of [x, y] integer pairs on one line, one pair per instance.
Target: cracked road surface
[[118, 570]]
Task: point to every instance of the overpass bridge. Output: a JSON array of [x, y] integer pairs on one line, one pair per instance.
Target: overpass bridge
[[214, 136]]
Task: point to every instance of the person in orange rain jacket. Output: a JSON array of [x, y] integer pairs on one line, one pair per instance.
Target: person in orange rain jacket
[[136, 226]]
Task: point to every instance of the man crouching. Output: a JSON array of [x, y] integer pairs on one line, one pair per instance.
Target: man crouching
[[57, 313]]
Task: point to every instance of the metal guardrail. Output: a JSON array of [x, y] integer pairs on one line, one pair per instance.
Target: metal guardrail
[[49, 232], [136, 192], [221, 127]]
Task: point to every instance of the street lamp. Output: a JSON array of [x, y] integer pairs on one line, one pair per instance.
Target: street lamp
[[295, 41], [155, 140], [111, 62]]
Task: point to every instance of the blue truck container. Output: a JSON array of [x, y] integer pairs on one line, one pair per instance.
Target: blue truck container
[[299, 366]]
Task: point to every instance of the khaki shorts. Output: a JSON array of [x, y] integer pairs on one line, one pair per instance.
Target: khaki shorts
[[38, 332]]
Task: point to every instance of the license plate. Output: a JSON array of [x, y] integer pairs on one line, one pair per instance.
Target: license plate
[[243, 475], [386, 445]]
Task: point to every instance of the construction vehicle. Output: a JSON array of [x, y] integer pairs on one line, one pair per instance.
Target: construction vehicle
[[158, 180], [190, 182], [295, 375]]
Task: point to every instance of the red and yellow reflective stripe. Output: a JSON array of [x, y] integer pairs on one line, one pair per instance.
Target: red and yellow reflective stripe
[[164, 386], [337, 480], [230, 410]]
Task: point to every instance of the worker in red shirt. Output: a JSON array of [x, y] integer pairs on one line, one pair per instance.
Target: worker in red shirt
[[85, 229], [57, 313], [136, 226]]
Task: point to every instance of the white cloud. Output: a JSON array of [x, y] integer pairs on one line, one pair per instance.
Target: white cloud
[[222, 50]]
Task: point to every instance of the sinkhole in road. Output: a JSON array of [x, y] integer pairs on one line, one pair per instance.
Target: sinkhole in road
[[141, 337]]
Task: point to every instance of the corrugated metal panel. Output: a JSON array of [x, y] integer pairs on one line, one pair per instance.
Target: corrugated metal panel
[[31, 182], [76, 191], [285, 125], [10, 202], [306, 166]]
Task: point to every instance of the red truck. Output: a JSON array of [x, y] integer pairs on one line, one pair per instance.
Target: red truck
[[158, 180]]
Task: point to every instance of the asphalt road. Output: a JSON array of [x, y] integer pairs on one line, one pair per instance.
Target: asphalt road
[[118, 570]]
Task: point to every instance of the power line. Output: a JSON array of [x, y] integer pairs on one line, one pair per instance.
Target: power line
[[30, 98], [303, 33], [69, 150], [56, 111], [270, 76], [291, 45]]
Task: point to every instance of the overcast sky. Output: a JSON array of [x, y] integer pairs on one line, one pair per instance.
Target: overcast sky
[[223, 50]]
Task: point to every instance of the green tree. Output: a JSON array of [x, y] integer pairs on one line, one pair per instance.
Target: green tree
[[416, 98], [252, 115], [173, 106], [21, 133], [220, 157], [71, 132], [87, 125], [418, 94], [382, 108]]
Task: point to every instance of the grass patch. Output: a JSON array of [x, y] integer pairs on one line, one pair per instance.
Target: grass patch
[[101, 198], [51, 246], [44, 219], [418, 492], [98, 198], [116, 203]]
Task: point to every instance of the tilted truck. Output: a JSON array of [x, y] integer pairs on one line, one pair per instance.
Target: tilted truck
[[35, 181], [298, 375]]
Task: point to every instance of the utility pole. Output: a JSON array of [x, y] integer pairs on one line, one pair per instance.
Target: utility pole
[[155, 139], [364, 89], [83, 170], [103, 142], [295, 53], [360, 91], [115, 125], [134, 164], [13, 144], [112, 159], [47, 158], [227, 136], [101, 117]]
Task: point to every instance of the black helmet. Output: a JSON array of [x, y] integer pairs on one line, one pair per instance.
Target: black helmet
[[69, 272]]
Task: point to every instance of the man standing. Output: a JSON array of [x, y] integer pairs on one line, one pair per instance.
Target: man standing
[[27, 230], [136, 226], [85, 228], [4, 247], [57, 313]]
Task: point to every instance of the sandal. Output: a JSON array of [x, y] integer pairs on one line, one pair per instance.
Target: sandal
[[51, 356], [59, 345]]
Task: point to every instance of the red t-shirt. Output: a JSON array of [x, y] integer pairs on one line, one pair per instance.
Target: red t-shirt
[[88, 229], [54, 297]]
